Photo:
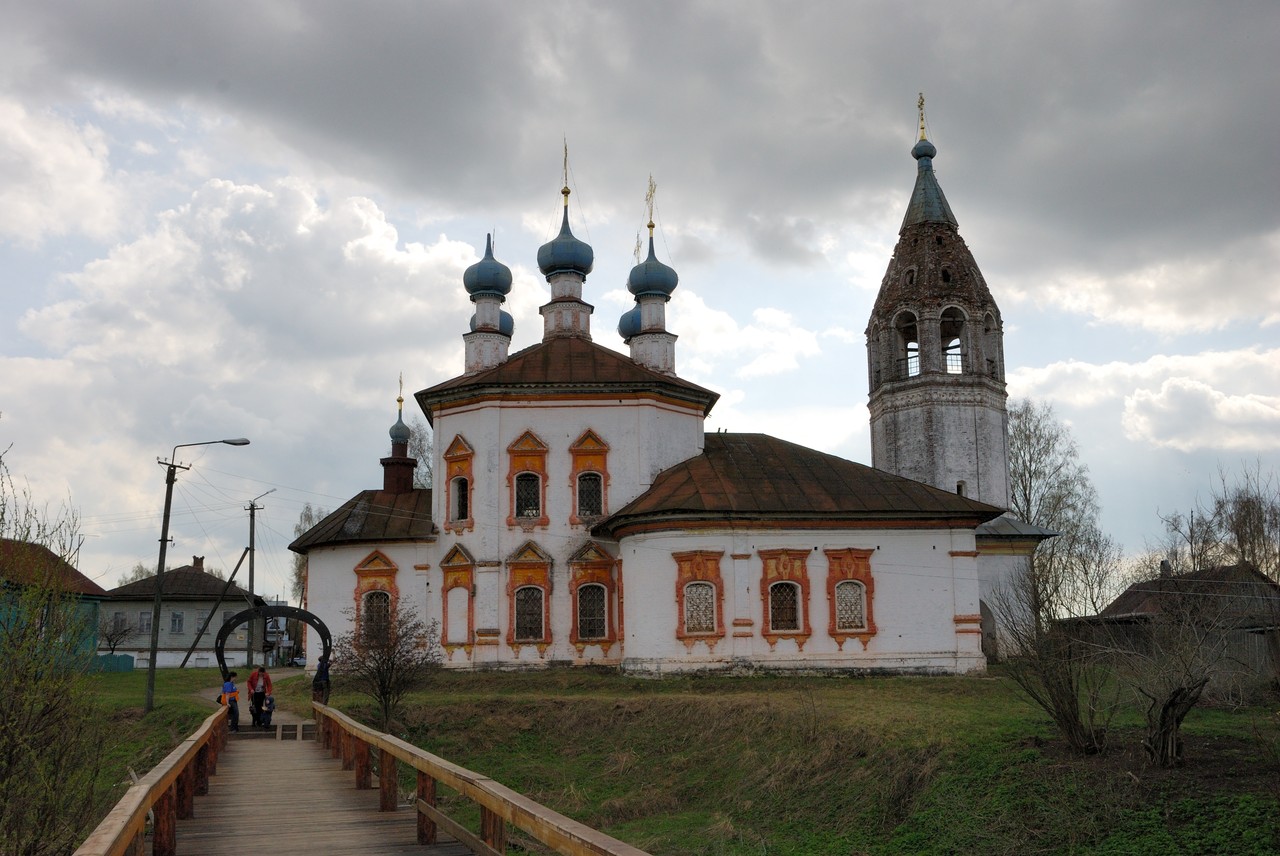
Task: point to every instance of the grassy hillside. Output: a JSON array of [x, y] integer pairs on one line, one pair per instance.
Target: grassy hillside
[[807, 766]]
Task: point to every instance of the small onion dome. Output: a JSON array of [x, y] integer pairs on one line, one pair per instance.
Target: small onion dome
[[565, 252], [923, 149], [629, 323], [506, 324], [400, 432], [487, 276], [652, 276]]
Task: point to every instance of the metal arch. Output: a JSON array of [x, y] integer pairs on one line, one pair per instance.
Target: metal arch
[[219, 646]]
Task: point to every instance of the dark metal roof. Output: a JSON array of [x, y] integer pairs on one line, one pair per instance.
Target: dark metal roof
[[1239, 591], [185, 583], [754, 478], [373, 515], [562, 366], [24, 563]]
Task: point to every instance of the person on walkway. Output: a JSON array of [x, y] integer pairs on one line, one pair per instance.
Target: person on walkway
[[231, 698], [320, 683], [268, 708], [259, 685]]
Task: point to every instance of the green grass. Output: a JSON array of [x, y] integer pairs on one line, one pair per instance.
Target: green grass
[[804, 766]]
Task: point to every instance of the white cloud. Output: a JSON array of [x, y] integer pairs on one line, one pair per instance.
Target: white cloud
[[54, 177], [771, 344], [1188, 415]]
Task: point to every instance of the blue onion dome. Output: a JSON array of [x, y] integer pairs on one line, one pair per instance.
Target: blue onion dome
[[629, 323], [652, 276], [923, 149], [506, 324], [565, 253], [400, 432], [487, 276]]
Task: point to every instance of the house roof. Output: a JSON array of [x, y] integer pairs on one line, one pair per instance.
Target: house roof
[[1240, 591], [748, 479], [373, 515], [25, 563], [563, 366], [185, 583]]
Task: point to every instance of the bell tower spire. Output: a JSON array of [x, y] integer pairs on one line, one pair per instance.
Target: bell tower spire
[[935, 354]]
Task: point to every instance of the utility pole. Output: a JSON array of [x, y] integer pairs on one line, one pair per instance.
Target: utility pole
[[252, 509]]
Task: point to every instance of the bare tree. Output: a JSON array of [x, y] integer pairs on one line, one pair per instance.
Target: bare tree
[[385, 660], [310, 516], [111, 632], [421, 448], [137, 572], [1067, 577]]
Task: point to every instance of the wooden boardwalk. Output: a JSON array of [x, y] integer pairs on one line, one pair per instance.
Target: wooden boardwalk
[[278, 798]]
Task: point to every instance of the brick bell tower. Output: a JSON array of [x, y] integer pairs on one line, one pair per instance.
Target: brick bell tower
[[935, 355]]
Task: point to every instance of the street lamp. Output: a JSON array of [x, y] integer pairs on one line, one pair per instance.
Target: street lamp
[[171, 475]]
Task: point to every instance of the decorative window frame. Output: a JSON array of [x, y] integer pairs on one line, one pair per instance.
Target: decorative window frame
[[592, 565], [529, 566], [527, 454], [459, 571], [458, 464], [376, 572], [785, 566], [590, 454], [853, 565], [699, 566]]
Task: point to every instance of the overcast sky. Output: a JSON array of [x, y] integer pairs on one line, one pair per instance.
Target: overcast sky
[[248, 219]]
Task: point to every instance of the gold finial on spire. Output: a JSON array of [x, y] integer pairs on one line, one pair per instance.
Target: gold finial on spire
[[565, 189], [920, 106], [400, 397], [648, 201]]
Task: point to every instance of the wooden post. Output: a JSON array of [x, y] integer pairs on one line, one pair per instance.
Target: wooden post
[[427, 794], [335, 744], [164, 841], [186, 785], [493, 830], [387, 785], [202, 770], [348, 751], [364, 770]]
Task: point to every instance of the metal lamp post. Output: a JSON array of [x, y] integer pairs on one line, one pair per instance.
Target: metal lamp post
[[171, 475]]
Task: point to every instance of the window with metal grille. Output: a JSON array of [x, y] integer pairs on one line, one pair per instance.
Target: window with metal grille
[[528, 495], [377, 617], [851, 609], [591, 613], [590, 495], [461, 500], [699, 608], [784, 606], [529, 614]]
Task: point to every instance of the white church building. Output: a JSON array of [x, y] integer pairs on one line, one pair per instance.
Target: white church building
[[582, 515]]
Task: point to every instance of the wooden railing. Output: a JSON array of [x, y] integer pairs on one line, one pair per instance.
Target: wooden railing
[[354, 744], [169, 789]]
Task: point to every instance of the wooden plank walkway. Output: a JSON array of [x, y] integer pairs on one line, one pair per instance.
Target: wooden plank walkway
[[280, 798]]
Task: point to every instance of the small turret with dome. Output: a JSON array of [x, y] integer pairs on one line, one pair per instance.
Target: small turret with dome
[[488, 282], [398, 467], [644, 326], [565, 262]]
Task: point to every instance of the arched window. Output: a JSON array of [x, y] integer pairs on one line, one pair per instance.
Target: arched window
[[529, 614], [461, 499], [590, 495], [699, 608], [960, 488], [851, 606], [376, 617], [592, 623], [908, 345], [951, 332], [528, 495], [784, 606], [991, 345]]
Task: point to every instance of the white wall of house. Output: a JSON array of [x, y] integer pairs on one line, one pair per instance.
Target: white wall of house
[[179, 622]]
